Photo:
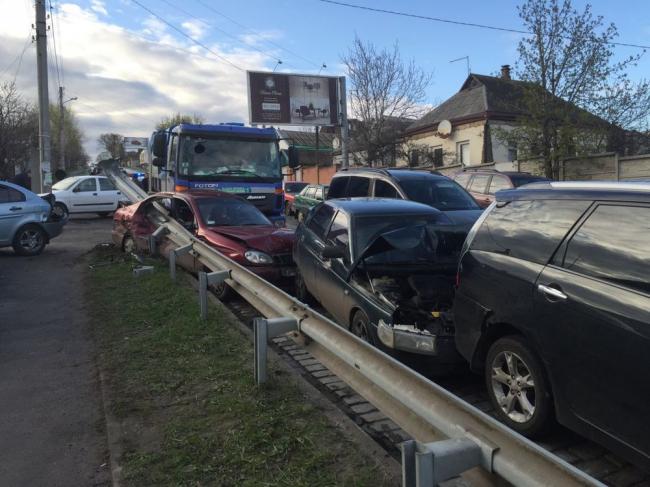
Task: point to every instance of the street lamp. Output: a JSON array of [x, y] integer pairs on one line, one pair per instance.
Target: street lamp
[[61, 130]]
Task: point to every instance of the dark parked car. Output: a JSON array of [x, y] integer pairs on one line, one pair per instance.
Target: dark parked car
[[309, 197], [291, 189], [385, 270], [224, 221], [484, 183], [553, 306], [430, 189]]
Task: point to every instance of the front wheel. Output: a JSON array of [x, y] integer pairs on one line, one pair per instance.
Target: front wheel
[[223, 291], [60, 212], [29, 240], [517, 385], [360, 326]]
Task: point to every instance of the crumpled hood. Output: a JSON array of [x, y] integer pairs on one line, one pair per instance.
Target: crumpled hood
[[266, 238]]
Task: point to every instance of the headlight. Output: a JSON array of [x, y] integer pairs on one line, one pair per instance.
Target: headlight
[[257, 257]]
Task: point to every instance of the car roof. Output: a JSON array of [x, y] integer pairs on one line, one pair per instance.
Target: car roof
[[17, 187], [579, 190], [399, 174], [380, 206]]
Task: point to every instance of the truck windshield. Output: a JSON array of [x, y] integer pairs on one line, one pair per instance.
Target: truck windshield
[[227, 157]]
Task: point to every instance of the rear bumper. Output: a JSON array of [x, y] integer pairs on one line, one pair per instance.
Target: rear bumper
[[53, 229]]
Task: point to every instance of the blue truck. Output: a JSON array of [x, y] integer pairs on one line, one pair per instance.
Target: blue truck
[[225, 157]]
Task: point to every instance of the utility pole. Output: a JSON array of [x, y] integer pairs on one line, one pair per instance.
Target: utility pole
[[343, 114], [43, 164], [61, 164]]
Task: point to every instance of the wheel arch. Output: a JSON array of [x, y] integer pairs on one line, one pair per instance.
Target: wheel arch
[[492, 333]]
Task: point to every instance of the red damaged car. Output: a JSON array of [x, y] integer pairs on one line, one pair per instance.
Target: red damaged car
[[225, 221]]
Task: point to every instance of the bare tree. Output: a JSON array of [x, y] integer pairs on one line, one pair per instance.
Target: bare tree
[[383, 88], [578, 98], [75, 154], [18, 131], [113, 144], [178, 118]]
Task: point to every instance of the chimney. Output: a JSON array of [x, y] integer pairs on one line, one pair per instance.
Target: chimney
[[505, 71]]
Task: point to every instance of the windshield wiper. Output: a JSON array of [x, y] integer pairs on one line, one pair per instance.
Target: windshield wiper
[[240, 171]]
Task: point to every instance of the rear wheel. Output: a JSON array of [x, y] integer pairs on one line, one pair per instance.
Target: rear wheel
[[517, 385], [60, 212], [29, 240]]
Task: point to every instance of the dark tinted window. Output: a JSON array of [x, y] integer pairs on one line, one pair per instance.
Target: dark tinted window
[[338, 234], [183, 212], [479, 183], [437, 157], [621, 254], [443, 194], [338, 187], [87, 185], [497, 183], [385, 190], [294, 187], [10, 195], [463, 179], [521, 180], [528, 230], [229, 212], [320, 220], [106, 185], [358, 187]]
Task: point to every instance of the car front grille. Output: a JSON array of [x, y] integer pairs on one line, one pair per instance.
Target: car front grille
[[283, 259]]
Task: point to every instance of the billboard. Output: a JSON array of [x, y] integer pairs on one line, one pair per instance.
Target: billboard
[[292, 99]]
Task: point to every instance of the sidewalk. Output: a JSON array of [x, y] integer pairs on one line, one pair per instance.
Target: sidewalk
[[51, 419]]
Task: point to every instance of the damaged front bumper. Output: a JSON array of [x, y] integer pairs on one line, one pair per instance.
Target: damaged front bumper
[[407, 338]]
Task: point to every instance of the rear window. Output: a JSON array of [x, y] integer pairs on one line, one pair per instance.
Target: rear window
[[358, 187], [337, 187], [528, 230], [521, 180], [443, 194], [10, 195]]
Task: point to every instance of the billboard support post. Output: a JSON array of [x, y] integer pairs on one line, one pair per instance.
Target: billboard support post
[[317, 156], [343, 114]]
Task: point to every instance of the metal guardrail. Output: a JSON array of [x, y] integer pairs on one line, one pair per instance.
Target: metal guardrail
[[426, 411]]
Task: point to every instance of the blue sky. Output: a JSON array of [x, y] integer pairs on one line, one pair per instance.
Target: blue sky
[[129, 69]]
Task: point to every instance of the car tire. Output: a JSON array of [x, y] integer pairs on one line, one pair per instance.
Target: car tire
[[128, 244], [223, 291], [29, 240], [302, 293], [360, 326], [60, 212], [104, 214], [518, 386]]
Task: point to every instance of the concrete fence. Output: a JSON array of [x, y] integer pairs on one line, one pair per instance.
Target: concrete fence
[[598, 167]]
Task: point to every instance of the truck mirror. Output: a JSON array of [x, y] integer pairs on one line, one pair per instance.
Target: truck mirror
[[158, 145], [292, 153], [158, 161]]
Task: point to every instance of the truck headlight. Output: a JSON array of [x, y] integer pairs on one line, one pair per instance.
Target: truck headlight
[[258, 257]]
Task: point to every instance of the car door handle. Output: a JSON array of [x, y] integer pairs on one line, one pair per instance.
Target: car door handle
[[15, 208], [552, 293], [94, 194]]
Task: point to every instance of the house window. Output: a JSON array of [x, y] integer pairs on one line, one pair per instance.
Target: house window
[[414, 158], [437, 157], [462, 152], [512, 153]]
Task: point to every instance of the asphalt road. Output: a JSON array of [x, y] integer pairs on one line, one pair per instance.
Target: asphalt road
[[52, 428]]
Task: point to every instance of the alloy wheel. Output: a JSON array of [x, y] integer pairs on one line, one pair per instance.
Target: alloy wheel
[[513, 386], [30, 239]]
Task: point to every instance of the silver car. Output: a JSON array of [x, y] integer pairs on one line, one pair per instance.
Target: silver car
[[25, 220]]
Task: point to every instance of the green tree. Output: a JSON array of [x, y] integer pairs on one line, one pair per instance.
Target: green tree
[[113, 144], [178, 118], [578, 97]]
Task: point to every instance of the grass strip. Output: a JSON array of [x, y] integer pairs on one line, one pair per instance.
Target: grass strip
[[184, 394]]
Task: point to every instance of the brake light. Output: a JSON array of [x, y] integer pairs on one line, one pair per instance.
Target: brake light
[[458, 278], [179, 188]]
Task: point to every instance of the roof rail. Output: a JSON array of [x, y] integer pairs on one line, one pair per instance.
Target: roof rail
[[602, 185], [369, 169], [473, 169]]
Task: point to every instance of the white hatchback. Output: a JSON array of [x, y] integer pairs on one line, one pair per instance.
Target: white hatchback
[[86, 194]]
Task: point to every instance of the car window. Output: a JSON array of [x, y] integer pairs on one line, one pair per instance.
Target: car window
[[87, 185], [463, 179], [358, 187], [441, 193], [182, 212], [106, 184], [319, 194], [497, 183], [229, 212], [310, 193], [521, 180], [621, 256], [338, 233], [528, 230], [479, 183], [338, 187], [10, 195], [320, 220], [385, 190]]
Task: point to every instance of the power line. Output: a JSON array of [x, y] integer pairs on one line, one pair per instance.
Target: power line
[[18, 56], [268, 41], [266, 53], [180, 31], [455, 22], [57, 58]]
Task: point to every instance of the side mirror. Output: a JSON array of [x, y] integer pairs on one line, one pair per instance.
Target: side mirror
[[76, 189], [332, 252], [158, 145], [294, 159], [158, 161]]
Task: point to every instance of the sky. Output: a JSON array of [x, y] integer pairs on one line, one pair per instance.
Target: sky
[[132, 62]]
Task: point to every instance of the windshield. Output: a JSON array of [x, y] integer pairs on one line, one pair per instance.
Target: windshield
[[241, 158], [217, 212], [65, 184], [443, 194], [367, 229], [294, 187]]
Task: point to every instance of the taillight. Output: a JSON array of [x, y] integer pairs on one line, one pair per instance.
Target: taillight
[[458, 278]]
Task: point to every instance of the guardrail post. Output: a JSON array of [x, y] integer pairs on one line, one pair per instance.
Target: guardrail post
[[428, 464], [185, 249], [264, 329], [153, 239], [206, 279]]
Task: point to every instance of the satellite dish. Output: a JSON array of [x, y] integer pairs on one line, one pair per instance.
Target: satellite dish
[[336, 143], [444, 127]]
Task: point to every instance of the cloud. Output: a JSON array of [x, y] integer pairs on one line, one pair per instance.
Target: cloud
[[99, 7], [126, 81], [194, 28]]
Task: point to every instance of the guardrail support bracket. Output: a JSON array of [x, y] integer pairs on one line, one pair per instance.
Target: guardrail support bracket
[[207, 279], [264, 329], [142, 270], [428, 464], [185, 249], [153, 239]]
